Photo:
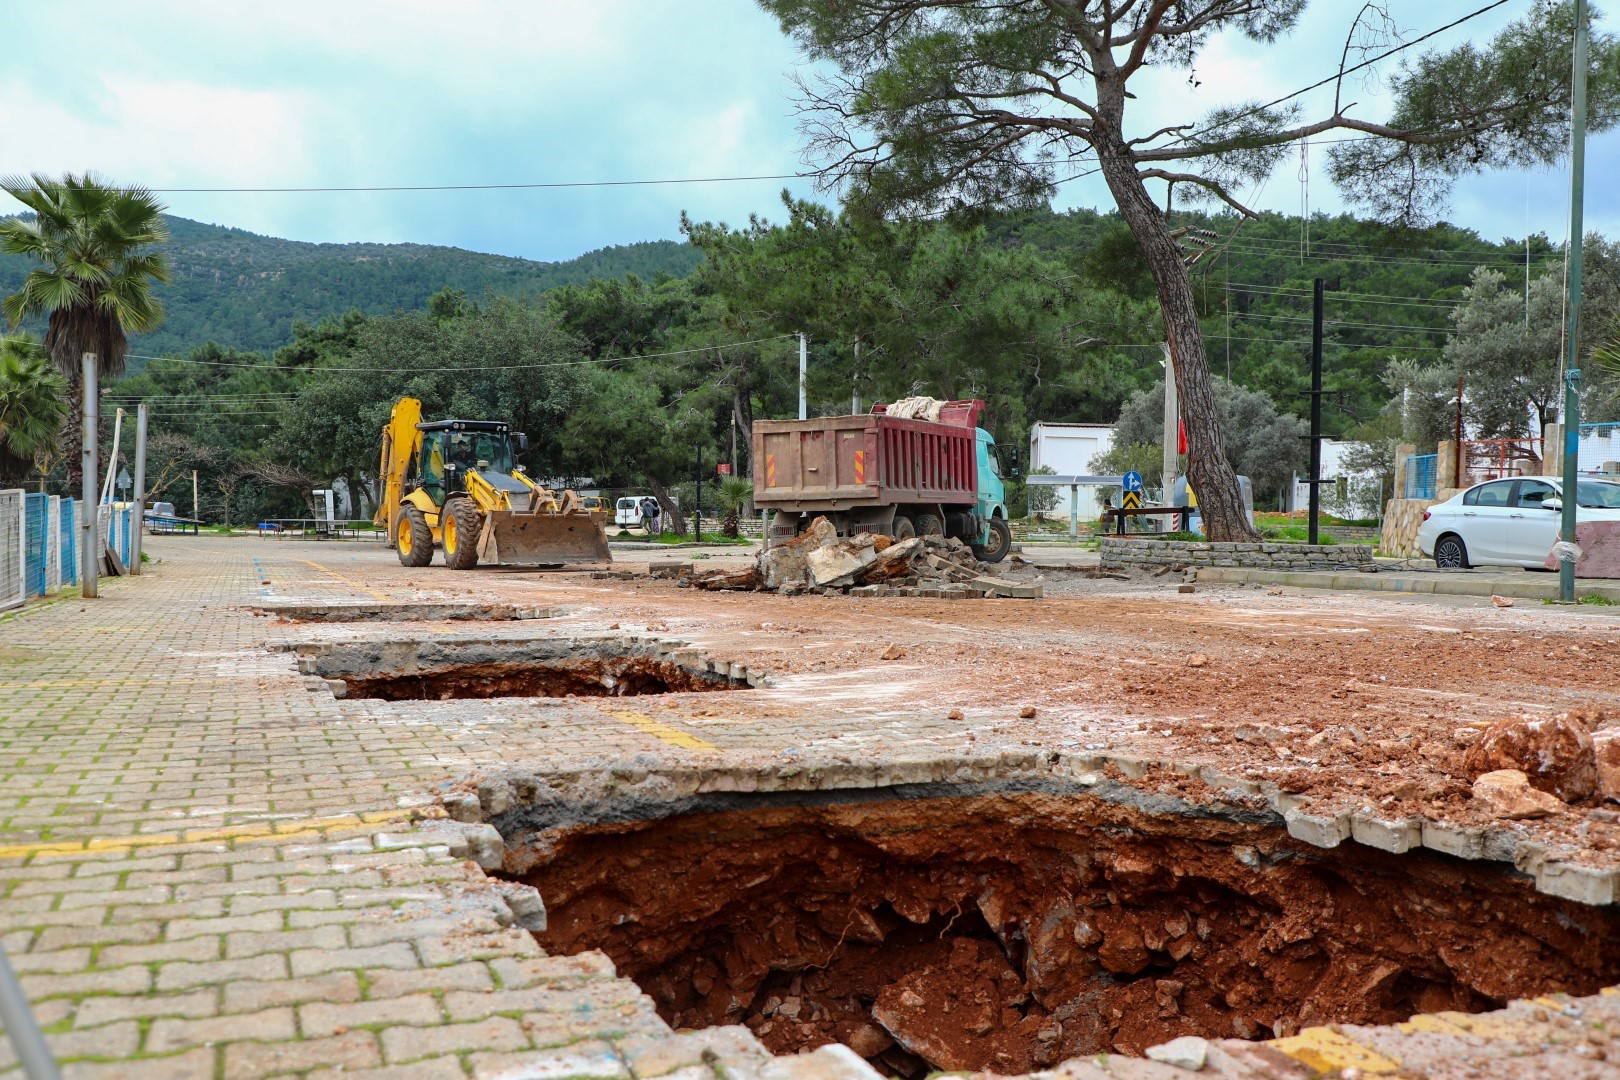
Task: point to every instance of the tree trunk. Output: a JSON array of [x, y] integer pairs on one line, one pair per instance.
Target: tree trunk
[[71, 441], [672, 513], [1211, 476]]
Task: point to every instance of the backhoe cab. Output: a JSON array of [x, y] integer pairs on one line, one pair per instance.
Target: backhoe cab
[[454, 483]]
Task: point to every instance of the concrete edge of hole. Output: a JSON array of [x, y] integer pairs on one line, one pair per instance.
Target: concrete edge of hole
[[530, 799], [403, 611], [314, 657]]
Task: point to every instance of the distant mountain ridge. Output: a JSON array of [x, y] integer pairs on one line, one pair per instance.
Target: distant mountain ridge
[[243, 290]]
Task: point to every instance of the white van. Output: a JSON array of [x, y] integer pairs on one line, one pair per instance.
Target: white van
[[627, 511]]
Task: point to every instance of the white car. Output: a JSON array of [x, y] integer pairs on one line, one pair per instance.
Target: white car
[[1511, 522]]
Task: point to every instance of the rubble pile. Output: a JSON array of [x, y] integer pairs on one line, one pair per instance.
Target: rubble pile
[[868, 564]]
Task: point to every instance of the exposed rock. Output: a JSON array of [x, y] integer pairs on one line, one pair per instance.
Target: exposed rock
[[1507, 794], [1501, 601], [1198, 660], [1188, 1052], [1606, 747], [1555, 753]]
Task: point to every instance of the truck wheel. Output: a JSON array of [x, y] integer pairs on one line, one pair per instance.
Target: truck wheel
[[460, 525], [930, 525], [1000, 542], [414, 539], [902, 529]]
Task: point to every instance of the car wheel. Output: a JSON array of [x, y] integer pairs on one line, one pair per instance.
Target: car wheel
[[1450, 553]]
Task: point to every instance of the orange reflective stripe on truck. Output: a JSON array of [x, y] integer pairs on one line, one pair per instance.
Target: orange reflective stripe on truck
[[860, 466], [770, 470]]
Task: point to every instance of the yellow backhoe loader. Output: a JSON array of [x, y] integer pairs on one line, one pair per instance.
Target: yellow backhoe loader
[[453, 483]]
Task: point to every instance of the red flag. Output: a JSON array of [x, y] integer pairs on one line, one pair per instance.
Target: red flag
[[1181, 437]]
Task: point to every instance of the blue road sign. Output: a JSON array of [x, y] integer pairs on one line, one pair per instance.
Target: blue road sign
[[1133, 481]]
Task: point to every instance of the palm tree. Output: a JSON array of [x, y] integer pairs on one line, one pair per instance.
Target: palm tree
[[33, 401], [735, 492], [95, 287]]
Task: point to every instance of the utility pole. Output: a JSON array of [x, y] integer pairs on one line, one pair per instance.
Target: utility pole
[[1315, 481], [194, 513], [697, 503], [1572, 375], [854, 384], [1172, 427], [89, 535], [137, 509], [804, 363]]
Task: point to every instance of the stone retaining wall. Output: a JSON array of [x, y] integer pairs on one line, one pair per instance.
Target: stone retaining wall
[[1120, 554], [1402, 517]]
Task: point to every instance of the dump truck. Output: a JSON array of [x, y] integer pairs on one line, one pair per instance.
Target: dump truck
[[454, 484], [923, 469]]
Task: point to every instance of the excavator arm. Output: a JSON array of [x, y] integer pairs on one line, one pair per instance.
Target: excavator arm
[[400, 442]]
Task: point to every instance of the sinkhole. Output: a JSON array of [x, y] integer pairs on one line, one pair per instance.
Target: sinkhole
[[1010, 932], [554, 667]]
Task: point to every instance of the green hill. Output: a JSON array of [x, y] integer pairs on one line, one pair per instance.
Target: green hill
[[243, 290]]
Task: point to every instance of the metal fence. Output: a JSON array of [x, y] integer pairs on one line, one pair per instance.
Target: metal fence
[[1421, 471], [1599, 448], [13, 548], [39, 542], [1494, 459]]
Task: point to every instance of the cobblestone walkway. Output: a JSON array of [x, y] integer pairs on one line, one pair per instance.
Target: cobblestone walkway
[[209, 870]]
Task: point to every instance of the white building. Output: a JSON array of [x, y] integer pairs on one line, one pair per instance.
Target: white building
[[1348, 494], [1067, 449]]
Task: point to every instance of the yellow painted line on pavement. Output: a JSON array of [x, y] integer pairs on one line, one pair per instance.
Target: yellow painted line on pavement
[[1326, 1050], [290, 829], [663, 732], [373, 593]]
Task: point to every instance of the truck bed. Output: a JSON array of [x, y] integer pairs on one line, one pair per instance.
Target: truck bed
[[834, 462]]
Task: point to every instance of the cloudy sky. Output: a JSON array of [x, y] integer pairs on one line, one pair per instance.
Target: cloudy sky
[[190, 94]]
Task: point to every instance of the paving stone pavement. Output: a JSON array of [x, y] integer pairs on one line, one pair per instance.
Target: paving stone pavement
[[209, 870]]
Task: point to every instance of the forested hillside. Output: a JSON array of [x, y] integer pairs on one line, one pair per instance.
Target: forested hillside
[[244, 291]]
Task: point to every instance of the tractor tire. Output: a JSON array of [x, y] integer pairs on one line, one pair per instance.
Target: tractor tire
[[413, 538], [902, 529], [459, 523], [1000, 542], [929, 525]]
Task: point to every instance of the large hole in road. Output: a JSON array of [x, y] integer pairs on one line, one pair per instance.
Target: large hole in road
[[442, 670], [1008, 933]]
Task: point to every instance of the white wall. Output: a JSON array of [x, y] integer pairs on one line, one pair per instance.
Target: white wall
[[1067, 449]]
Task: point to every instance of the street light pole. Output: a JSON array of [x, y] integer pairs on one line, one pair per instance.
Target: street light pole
[[1572, 375], [804, 363], [89, 534]]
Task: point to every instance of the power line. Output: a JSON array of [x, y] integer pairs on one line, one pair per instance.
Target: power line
[[412, 371], [474, 187], [1336, 76]]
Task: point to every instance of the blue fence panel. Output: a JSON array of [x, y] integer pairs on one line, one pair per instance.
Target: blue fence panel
[[68, 526], [36, 511], [1421, 470]]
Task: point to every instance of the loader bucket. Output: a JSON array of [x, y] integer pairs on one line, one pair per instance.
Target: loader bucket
[[519, 538]]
